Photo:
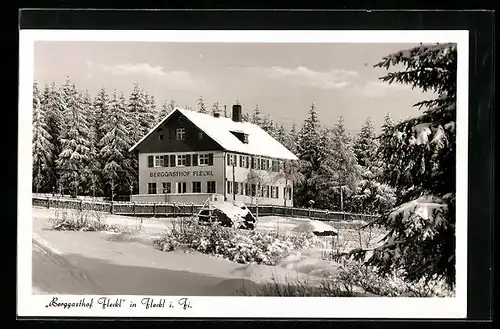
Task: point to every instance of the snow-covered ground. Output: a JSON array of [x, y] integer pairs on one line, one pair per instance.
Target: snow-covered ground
[[307, 265]]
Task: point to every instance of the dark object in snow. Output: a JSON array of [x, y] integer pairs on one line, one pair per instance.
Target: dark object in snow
[[325, 233], [228, 214], [317, 228]]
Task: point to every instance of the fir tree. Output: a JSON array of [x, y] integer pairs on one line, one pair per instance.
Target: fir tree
[[201, 105], [135, 113], [164, 111], [42, 146], [371, 195], [339, 170], [53, 105], [366, 144], [75, 142], [311, 153], [421, 239], [114, 148], [215, 108], [256, 119]]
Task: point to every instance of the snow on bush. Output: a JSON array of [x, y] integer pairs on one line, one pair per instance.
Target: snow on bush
[[76, 220], [239, 246]]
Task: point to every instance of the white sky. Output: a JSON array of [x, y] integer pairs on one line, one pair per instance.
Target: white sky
[[283, 79]]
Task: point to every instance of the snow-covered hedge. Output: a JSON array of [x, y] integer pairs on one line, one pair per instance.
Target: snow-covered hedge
[[239, 246]]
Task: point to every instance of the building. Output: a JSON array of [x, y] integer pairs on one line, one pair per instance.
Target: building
[[190, 157]]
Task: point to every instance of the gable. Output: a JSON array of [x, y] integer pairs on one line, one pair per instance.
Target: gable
[[153, 143]]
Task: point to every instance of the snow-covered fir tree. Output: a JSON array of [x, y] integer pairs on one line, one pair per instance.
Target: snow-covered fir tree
[[215, 108], [114, 148], [370, 194], [42, 147], [201, 105], [311, 153], [366, 144], [53, 105], [135, 112], [339, 170], [163, 112], [422, 153], [75, 142], [256, 116], [92, 170]]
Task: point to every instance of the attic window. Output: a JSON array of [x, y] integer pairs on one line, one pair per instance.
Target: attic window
[[160, 137], [181, 119], [200, 135], [241, 136]]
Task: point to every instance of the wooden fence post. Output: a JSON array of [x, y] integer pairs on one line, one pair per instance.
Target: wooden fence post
[[48, 202], [133, 207]]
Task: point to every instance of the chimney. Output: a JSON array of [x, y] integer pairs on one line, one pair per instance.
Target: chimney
[[237, 113], [216, 114]]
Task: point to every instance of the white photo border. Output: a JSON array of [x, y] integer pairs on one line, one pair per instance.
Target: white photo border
[[245, 307]]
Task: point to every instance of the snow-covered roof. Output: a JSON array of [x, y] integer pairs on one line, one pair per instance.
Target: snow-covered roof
[[219, 129]]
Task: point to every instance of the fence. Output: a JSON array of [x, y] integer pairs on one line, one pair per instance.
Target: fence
[[183, 210]]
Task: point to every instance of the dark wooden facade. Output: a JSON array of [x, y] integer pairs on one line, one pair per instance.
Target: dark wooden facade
[[163, 139]]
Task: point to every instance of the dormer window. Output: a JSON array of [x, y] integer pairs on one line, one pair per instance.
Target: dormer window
[[243, 137]]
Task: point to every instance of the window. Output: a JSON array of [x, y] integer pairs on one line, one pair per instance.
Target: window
[[196, 187], [273, 192], [181, 187], [229, 187], [200, 135], [246, 189], [242, 188], [235, 187], [211, 187], [181, 119], [151, 161], [232, 159], [180, 133], [252, 162], [151, 188], [257, 166], [203, 159], [253, 190], [158, 160], [243, 162], [166, 187], [245, 138], [267, 191], [275, 166], [181, 160], [160, 137], [263, 191], [267, 165], [277, 192]]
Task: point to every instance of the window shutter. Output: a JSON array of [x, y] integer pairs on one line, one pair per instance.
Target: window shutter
[[172, 160], [228, 157], [165, 161], [188, 160], [195, 159], [210, 159], [150, 161]]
